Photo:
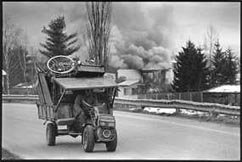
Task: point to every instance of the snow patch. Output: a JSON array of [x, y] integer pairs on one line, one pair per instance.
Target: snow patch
[[3, 72], [192, 112], [225, 88], [160, 110]]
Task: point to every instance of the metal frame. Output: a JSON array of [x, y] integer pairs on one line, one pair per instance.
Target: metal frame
[[56, 107]]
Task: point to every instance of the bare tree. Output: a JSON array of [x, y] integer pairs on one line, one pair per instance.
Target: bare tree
[[209, 44], [98, 31], [23, 55], [12, 39], [211, 38], [22, 60], [8, 43], [33, 53]]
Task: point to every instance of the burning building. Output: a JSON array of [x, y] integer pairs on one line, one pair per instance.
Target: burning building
[[141, 81], [155, 80]]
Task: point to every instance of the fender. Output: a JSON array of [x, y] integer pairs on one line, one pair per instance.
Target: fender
[[50, 122], [88, 122]]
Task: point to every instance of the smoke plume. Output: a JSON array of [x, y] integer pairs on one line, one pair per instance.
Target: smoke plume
[[140, 35], [140, 39]]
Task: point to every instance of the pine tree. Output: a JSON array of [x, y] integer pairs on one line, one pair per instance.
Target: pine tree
[[190, 72], [203, 71], [225, 66], [231, 69], [58, 42], [218, 65]]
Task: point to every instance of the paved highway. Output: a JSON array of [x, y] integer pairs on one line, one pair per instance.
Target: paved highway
[[140, 136]]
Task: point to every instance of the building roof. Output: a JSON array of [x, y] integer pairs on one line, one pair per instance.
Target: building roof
[[128, 83], [132, 77], [154, 69], [129, 74], [110, 75], [225, 89], [3, 72]]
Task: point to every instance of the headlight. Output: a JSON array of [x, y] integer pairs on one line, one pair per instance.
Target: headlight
[[106, 121], [107, 124], [111, 124], [103, 123]]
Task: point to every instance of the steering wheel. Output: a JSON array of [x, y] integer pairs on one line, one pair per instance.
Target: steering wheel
[[61, 64]]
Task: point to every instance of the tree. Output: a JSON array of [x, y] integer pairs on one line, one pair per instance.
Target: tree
[[16, 74], [13, 38], [225, 66], [27, 66], [190, 72], [98, 31], [58, 42], [218, 65], [30, 69], [231, 68], [8, 40], [209, 43], [210, 40]]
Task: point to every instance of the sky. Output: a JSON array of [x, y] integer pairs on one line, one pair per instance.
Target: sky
[[151, 31]]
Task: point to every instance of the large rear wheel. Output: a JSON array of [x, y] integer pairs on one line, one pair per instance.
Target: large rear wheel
[[111, 146], [88, 140], [51, 130]]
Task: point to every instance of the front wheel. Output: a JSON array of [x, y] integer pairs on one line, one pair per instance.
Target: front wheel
[[88, 140], [111, 146], [51, 134]]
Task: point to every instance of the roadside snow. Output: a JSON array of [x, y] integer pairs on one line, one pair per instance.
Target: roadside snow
[[171, 111], [160, 110], [192, 112], [3, 72], [225, 88]]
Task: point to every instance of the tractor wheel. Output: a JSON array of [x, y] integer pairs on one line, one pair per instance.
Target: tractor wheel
[[51, 130], [111, 146], [88, 140]]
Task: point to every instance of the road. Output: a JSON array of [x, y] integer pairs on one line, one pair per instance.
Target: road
[[140, 136]]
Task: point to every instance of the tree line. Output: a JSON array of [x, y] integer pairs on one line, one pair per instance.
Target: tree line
[[19, 60], [192, 71], [17, 56]]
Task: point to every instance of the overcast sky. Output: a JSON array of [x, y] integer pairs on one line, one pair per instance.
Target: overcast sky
[[165, 24]]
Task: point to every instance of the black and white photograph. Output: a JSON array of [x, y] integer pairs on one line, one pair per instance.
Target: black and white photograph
[[121, 80]]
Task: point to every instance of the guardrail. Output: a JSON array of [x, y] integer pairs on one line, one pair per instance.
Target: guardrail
[[212, 108], [20, 98]]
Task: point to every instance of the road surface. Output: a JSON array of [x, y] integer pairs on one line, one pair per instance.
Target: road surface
[[140, 136]]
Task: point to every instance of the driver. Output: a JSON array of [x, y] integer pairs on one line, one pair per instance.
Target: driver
[[78, 110]]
